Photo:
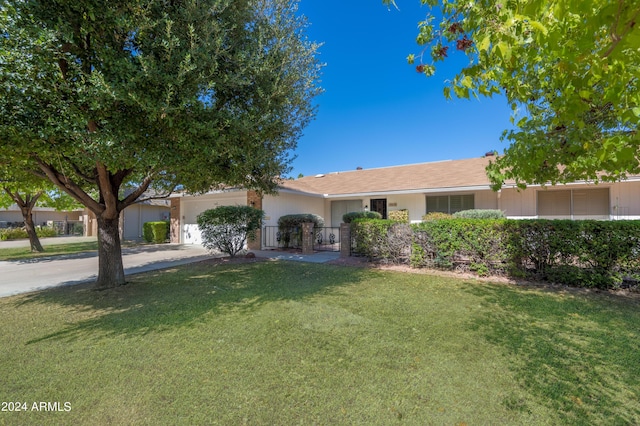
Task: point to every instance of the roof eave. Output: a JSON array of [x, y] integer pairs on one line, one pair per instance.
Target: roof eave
[[413, 191], [298, 192]]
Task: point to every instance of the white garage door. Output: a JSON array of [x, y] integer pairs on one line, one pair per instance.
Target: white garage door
[[191, 207]]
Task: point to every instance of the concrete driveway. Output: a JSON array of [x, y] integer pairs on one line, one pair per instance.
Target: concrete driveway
[[22, 276]]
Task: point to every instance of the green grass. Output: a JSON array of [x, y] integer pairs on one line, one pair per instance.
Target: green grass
[[21, 253], [295, 343]]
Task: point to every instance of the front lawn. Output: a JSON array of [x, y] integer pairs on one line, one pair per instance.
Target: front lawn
[[295, 343], [22, 253]]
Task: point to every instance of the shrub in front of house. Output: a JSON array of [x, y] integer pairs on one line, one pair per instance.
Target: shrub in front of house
[[436, 216], [156, 232], [585, 253], [351, 216], [20, 233], [46, 232], [228, 228], [381, 239], [401, 216], [12, 234], [588, 253], [479, 214], [290, 228], [473, 245]]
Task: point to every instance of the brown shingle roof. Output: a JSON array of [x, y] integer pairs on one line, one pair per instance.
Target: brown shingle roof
[[425, 176]]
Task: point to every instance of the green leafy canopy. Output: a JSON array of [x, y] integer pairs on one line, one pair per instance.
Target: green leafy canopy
[[196, 93], [570, 70], [97, 95]]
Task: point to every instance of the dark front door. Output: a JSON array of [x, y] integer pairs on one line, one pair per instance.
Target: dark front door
[[379, 205]]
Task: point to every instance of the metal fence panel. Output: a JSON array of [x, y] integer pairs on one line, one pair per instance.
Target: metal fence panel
[[325, 239]]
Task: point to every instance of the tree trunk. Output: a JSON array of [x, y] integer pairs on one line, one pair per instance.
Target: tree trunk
[[34, 241], [26, 205], [110, 266]]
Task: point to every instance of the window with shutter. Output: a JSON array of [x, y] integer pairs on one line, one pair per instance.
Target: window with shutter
[[450, 203]]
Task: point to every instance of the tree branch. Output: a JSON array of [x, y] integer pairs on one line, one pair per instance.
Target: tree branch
[[131, 198], [70, 187], [32, 199], [615, 37], [80, 173], [15, 196], [160, 197]]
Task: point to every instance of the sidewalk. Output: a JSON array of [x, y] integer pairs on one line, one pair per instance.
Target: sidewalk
[[22, 276], [317, 257]]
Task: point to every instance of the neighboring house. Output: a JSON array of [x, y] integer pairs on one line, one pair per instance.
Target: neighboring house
[[132, 218], [445, 186], [41, 215]]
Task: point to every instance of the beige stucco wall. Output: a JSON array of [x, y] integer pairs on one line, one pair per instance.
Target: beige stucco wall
[[287, 203]]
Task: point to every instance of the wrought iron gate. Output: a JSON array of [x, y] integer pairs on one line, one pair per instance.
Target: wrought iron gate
[[324, 239]]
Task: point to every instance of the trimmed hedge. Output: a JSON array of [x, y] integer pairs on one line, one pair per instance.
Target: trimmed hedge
[[21, 233], [351, 216], [290, 228], [46, 231], [593, 253], [479, 214], [587, 253], [382, 239], [156, 232], [399, 215], [475, 245], [436, 216]]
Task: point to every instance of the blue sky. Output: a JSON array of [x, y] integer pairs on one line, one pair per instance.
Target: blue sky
[[376, 110]]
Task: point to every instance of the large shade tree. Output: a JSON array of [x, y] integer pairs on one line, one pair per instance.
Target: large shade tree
[[570, 70], [151, 94]]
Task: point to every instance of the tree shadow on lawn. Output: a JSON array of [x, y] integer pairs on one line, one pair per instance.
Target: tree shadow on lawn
[[578, 353], [44, 258], [134, 247], [183, 296]]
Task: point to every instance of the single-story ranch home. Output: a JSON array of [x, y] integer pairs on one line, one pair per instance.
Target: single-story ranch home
[[444, 186], [83, 221], [41, 216]]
